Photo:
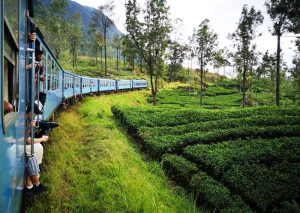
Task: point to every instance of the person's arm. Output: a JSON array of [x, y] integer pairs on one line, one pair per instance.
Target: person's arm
[[37, 140], [8, 107]]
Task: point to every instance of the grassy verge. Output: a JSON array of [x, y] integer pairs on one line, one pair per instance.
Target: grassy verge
[[91, 166]]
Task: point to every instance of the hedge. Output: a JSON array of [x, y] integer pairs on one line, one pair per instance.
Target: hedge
[[151, 117], [260, 120], [178, 168], [157, 146], [217, 158], [265, 187], [215, 194]]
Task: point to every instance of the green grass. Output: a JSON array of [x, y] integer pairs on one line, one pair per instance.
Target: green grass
[[91, 165]]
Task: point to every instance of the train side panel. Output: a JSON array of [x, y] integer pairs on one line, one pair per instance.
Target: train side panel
[[107, 85], [12, 155]]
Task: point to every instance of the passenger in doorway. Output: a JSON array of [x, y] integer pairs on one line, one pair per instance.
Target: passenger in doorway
[[32, 182], [32, 33], [39, 68], [40, 103]]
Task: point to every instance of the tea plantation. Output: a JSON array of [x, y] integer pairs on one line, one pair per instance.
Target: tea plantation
[[236, 160]]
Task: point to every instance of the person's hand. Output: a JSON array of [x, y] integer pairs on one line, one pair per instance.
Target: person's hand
[[45, 138], [33, 123]]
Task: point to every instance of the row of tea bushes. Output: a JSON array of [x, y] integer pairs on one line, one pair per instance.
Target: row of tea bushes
[[217, 158], [157, 146], [137, 117], [207, 190], [256, 120], [230, 157]]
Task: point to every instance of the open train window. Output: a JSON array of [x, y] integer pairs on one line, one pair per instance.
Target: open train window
[[48, 71], [10, 68]]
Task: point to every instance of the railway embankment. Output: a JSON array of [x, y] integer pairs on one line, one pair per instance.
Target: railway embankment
[[91, 165]]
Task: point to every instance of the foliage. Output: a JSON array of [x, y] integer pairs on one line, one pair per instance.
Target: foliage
[[215, 194], [178, 168], [74, 36], [265, 186], [218, 158], [243, 39], [206, 41], [101, 22], [150, 36], [240, 155], [176, 54]]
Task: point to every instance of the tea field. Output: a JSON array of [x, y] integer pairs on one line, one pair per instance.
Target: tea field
[[234, 160]]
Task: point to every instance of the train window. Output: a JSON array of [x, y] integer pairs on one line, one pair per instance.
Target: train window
[[57, 76], [48, 71], [11, 8], [10, 69], [52, 75]]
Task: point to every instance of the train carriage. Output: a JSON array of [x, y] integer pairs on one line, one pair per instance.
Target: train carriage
[[124, 84], [71, 84], [107, 85], [139, 84]]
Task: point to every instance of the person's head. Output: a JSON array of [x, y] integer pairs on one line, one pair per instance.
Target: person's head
[[43, 97], [36, 110], [32, 34], [39, 54]]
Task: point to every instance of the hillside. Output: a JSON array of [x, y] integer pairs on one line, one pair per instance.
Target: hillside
[[86, 14]]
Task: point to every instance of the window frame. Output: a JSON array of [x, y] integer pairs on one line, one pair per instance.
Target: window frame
[[7, 36]]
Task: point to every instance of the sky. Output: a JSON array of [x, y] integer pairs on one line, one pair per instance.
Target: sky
[[223, 15]]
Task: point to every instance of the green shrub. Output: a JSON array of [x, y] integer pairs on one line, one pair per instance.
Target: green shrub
[[287, 207], [217, 158], [216, 195], [175, 143], [265, 187], [178, 168], [152, 117], [259, 120]]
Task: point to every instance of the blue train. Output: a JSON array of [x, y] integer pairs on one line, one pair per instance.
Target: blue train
[[18, 87]]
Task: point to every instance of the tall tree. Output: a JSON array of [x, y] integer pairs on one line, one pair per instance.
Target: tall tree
[[206, 41], [295, 71], [243, 39], [175, 56], [116, 43], [101, 21], [149, 35], [129, 50], [74, 36], [56, 25], [279, 11]]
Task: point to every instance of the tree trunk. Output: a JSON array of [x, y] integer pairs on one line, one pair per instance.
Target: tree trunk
[[117, 59], [152, 85], [201, 84], [96, 55], [278, 71], [105, 55], [133, 65], [244, 84], [101, 55]]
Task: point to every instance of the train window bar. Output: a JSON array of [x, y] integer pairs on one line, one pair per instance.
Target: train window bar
[[10, 71]]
